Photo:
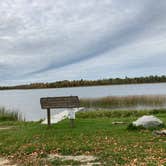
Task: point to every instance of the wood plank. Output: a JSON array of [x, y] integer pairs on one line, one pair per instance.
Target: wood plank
[[60, 102]]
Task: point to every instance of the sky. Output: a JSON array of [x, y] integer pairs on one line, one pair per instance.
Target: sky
[[46, 41]]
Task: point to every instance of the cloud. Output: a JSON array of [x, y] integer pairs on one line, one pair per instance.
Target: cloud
[[56, 40]]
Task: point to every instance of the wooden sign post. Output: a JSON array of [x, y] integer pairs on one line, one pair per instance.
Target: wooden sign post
[[60, 102], [71, 117], [49, 116]]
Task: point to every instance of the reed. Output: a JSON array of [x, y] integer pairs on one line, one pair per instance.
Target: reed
[[8, 115], [113, 102]]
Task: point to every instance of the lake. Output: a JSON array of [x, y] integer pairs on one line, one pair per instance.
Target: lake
[[28, 101]]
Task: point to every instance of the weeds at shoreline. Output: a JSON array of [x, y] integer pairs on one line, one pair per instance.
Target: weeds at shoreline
[[114, 102], [7, 115]]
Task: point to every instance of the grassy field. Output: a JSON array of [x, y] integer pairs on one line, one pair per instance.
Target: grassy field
[[30, 143], [113, 102]]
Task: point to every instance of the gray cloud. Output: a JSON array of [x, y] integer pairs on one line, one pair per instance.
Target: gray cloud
[[122, 36], [41, 39]]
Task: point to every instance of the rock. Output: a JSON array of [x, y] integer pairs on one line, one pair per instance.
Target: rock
[[62, 115], [162, 132], [116, 123], [147, 121], [57, 118]]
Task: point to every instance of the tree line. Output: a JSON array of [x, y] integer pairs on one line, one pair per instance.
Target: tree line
[[76, 83]]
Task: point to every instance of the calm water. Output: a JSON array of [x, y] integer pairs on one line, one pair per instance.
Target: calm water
[[28, 101]]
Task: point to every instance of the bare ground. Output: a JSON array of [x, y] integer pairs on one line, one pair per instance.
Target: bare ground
[[5, 162], [6, 127]]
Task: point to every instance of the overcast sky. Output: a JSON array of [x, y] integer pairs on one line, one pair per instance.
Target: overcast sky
[[50, 40]]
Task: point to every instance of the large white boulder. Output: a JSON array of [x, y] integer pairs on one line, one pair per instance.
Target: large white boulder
[[148, 121]]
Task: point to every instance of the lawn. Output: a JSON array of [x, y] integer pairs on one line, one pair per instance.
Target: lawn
[[31, 142]]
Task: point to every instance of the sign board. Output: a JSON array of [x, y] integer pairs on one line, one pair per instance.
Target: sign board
[[60, 102]]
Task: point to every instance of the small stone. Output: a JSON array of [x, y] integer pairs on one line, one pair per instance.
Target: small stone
[[162, 132], [116, 123]]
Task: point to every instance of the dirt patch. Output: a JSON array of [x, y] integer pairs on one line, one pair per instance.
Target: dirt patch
[[84, 160], [3, 161], [89, 160], [6, 127], [6, 162], [81, 158]]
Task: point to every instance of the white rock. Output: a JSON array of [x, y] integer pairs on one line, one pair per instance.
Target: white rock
[[148, 121], [65, 113], [57, 118]]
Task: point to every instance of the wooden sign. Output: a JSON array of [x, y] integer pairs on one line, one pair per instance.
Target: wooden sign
[[59, 102]]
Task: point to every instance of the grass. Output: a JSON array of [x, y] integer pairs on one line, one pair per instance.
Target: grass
[[94, 134], [113, 102], [118, 113], [8, 115]]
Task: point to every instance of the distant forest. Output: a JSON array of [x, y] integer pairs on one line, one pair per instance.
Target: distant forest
[[77, 83]]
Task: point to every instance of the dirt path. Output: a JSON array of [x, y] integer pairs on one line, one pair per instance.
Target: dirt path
[[6, 127], [85, 160], [6, 162]]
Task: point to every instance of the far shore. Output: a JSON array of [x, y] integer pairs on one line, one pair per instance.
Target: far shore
[[88, 83]]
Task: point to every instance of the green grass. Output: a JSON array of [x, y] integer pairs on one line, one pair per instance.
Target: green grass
[[31, 142], [118, 113], [8, 115], [113, 102]]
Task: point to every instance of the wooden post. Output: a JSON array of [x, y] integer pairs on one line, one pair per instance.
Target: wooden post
[[48, 117], [72, 122], [71, 117]]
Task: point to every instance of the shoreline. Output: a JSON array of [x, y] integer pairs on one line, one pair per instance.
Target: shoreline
[[81, 86]]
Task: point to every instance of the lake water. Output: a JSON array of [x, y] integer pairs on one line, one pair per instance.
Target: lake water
[[28, 101]]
